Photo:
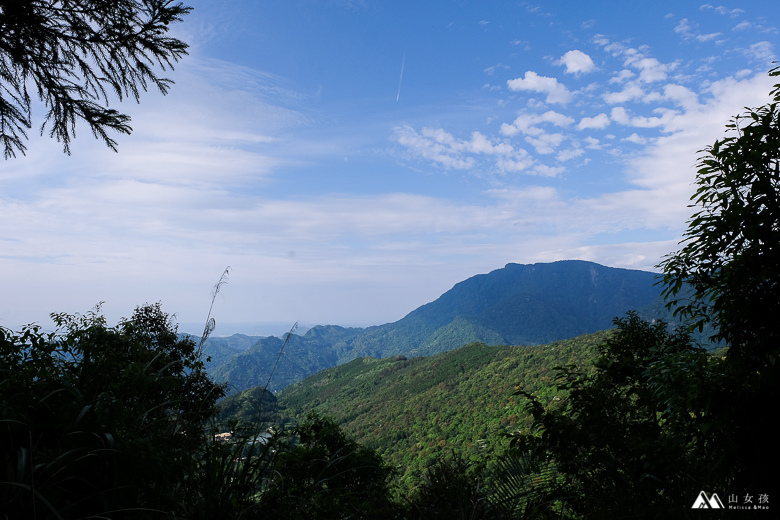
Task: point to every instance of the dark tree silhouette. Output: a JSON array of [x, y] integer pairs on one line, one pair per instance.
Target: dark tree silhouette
[[75, 54]]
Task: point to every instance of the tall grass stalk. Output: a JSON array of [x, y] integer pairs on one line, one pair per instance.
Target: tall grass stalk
[[241, 472], [210, 322], [281, 350], [230, 478]]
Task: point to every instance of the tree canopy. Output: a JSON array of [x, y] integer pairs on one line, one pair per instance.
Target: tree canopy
[[78, 53]]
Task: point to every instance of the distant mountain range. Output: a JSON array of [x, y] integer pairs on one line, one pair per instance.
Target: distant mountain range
[[515, 305]]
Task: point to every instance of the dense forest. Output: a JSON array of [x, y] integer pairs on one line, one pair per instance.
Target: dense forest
[[413, 411], [640, 421]]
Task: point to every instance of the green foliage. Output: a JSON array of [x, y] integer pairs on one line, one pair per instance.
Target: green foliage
[[731, 249], [98, 419], [76, 53], [231, 475], [327, 475], [453, 488], [117, 423], [615, 438], [249, 408], [731, 256]]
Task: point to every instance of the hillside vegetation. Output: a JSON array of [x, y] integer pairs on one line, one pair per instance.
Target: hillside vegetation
[[413, 410]]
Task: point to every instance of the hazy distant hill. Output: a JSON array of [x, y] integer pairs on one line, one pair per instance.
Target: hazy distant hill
[[303, 355], [515, 305], [221, 349]]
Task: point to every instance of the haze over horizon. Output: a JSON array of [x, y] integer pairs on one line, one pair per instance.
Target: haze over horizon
[[352, 160]]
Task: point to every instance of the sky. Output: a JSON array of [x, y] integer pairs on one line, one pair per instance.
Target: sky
[[352, 160]]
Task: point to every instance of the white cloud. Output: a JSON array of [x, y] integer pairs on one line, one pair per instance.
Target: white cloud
[[576, 62], [526, 123], [556, 92], [631, 91], [571, 153], [707, 37], [435, 145], [525, 44], [666, 121], [620, 116], [592, 143], [599, 122], [481, 144], [518, 163], [600, 39], [682, 96], [546, 143], [634, 138], [650, 69], [508, 130], [622, 76], [532, 193], [492, 69]]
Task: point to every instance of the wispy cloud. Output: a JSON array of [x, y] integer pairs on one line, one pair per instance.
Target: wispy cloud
[[722, 10], [687, 31], [441, 147], [762, 52]]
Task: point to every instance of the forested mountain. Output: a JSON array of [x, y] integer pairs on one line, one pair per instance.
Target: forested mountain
[[515, 305], [412, 409]]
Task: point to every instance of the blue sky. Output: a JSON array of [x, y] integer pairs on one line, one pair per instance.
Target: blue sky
[[352, 160]]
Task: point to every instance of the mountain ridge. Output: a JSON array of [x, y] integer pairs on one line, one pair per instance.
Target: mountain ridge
[[519, 304]]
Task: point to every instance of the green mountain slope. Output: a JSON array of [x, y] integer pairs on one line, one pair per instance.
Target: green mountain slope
[[410, 410]]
